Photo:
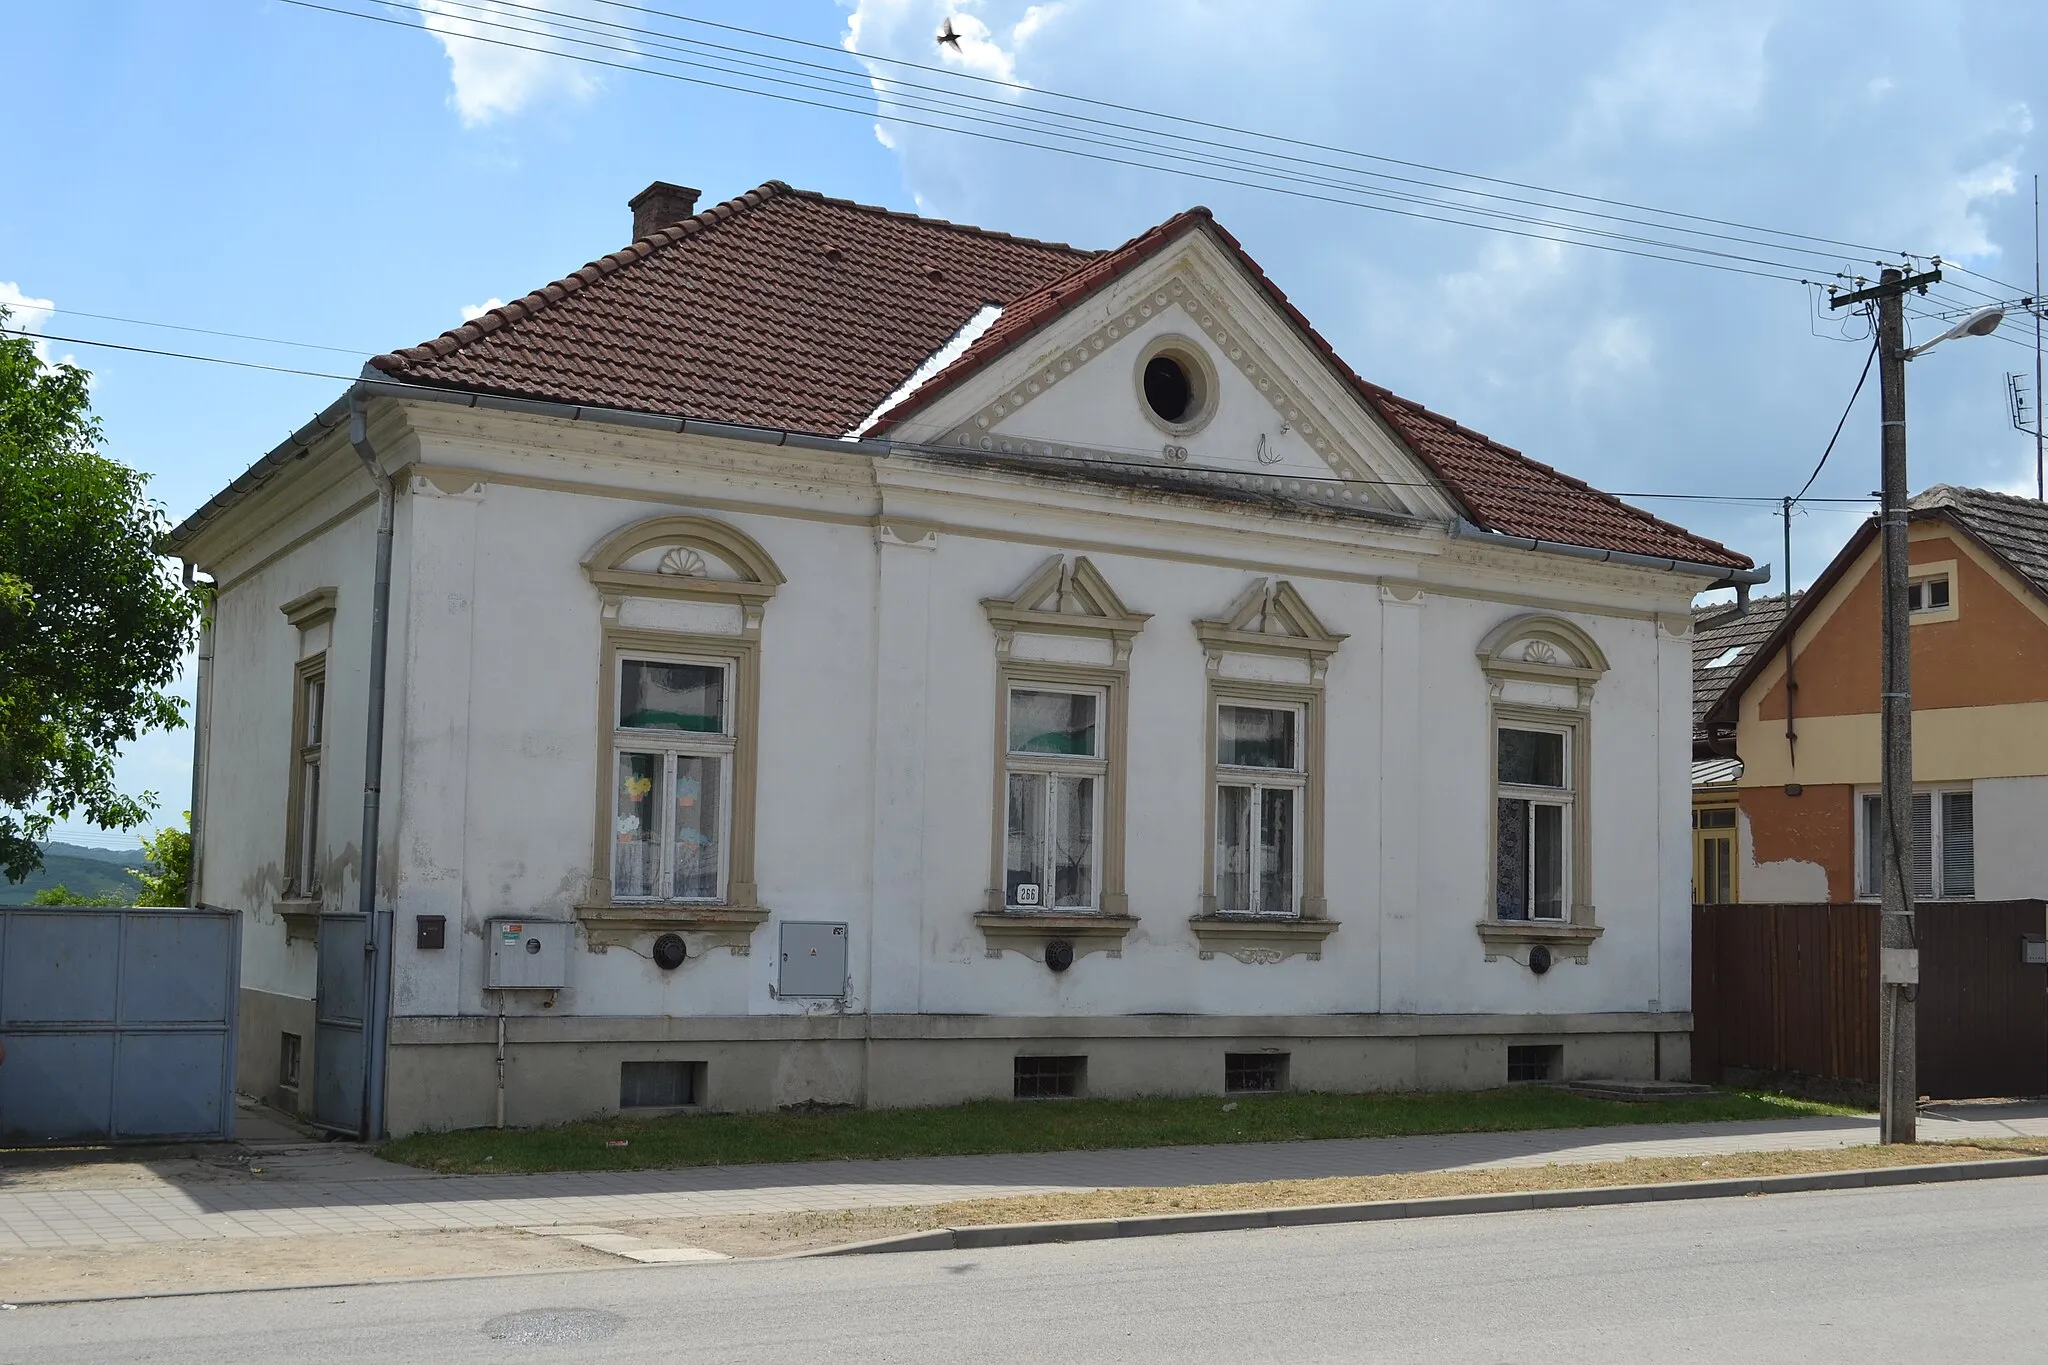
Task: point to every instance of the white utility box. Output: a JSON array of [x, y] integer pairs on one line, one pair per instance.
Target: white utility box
[[527, 955]]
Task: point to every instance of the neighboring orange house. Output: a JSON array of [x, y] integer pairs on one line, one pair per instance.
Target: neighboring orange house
[[1802, 715]]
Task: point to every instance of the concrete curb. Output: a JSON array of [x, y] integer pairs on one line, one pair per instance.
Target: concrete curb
[[1311, 1215]]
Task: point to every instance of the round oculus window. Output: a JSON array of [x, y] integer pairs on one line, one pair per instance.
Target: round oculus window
[[1169, 389]]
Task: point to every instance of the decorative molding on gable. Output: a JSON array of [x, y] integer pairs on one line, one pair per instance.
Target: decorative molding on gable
[[683, 570], [1065, 597], [1540, 648], [1184, 288], [314, 609], [1270, 617]]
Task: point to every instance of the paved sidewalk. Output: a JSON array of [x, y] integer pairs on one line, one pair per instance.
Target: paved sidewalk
[[309, 1188]]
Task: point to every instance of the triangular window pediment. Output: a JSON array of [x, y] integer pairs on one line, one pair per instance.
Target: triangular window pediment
[[1065, 597]]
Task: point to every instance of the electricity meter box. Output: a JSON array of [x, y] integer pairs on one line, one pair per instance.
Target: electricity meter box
[[813, 960], [527, 954]]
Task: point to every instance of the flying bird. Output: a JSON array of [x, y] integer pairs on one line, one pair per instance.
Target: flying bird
[[948, 38]]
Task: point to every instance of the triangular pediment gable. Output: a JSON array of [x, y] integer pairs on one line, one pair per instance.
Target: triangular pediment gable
[[1273, 415]]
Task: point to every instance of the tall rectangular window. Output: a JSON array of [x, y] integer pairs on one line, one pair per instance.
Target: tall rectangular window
[[302, 804], [672, 779], [1943, 861], [1260, 781], [1532, 823], [1053, 772]]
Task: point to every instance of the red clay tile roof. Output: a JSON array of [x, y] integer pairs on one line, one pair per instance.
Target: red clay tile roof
[[781, 308], [785, 308]]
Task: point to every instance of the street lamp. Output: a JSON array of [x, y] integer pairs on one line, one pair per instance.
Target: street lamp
[[1898, 942], [1981, 323]]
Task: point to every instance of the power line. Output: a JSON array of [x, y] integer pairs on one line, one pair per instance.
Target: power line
[[201, 331], [940, 450], [1853, 396], [555, 21], [1233, 129], [1211, 176]]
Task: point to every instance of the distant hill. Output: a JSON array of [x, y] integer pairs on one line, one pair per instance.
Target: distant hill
[[88, 871]]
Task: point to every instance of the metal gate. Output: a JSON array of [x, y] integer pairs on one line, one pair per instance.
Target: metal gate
[[119, 1024], [338, 1023]]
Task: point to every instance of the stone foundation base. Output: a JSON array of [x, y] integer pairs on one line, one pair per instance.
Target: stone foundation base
[[443, 1071]]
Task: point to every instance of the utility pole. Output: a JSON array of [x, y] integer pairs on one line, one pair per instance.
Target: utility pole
[[1899, 959], [2040, 470]]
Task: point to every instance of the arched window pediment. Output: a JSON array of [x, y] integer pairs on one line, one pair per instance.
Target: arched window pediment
[[1542, 648], [683, 556]]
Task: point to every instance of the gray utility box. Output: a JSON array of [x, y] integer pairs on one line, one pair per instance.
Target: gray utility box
[[527, 955], [813, 960]]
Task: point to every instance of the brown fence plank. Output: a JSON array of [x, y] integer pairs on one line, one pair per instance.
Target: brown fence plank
[[1794, 988]]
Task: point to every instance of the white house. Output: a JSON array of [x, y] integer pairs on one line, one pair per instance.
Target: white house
[[837, 656]]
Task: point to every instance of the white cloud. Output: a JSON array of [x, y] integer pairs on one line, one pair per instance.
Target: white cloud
[[472, 311], [1613, 354], [493, 79], [1688, 77], [912, 26], [28, 315]]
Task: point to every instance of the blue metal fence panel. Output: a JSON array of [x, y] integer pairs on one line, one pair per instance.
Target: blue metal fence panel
[[119, 1024]]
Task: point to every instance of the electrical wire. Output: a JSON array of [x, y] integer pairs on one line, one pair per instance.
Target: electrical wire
[[1853, 396], [554, 21], [866, 113], [1021, 87], [934, 449]]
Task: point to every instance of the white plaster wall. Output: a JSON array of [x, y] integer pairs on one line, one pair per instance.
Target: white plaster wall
[[252, 746], [2012, 854], [502, 751], [876, 776]]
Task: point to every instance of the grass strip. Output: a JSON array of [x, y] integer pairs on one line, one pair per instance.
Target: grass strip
[[620, 1144]]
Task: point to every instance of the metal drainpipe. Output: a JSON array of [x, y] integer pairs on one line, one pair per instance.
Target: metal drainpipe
[[377, 946], [202, 712]]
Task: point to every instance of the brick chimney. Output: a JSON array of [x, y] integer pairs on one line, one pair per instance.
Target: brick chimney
[[661, 205]]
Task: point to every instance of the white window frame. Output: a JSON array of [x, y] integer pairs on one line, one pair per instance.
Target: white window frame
[[1938, 827], [1095, 766], [1564, 797], [1259, 780], [670, 744], [1918, 576]]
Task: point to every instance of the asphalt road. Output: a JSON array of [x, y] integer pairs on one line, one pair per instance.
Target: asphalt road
[[1921, 1273]]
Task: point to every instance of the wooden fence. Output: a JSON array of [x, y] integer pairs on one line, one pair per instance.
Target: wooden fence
[[1794, 988]]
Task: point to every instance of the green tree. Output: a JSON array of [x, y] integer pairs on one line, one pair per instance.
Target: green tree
[[93, 620], [61, 894], [168, 877]]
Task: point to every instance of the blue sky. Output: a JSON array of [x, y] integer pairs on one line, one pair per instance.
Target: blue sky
[[250, 166]]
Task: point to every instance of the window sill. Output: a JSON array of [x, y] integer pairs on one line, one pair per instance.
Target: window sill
[[301, 919], [1512, 937], [703, 927], [1254, 939], [1028, 931]]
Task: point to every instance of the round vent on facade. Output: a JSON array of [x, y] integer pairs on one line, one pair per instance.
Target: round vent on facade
[[669, 952], [1059, 954], [1539, 959]]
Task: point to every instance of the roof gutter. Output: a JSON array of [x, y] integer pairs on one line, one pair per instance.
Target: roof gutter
[[1724, 576]]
